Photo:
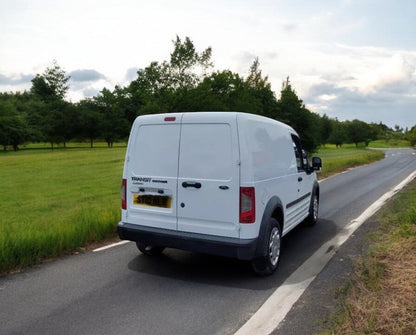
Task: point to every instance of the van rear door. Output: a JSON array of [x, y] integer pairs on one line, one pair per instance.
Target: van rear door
[[152, 171], [208, 176]]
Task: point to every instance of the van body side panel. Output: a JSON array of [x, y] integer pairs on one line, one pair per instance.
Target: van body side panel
[[268, 163], [151, 171], [298, 208], [296, 211], [208, 177]]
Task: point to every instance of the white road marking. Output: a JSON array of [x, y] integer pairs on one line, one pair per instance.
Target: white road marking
[[110, 246], [276, 307]]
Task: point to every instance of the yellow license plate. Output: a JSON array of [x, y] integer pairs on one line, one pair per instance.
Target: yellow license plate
[[162, 201]]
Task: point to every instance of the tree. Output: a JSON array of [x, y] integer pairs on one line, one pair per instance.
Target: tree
[[223, 91], [260, 88], [326, 129], [292, 111], [90, 120], [35, 114], [358, 131], [338, 135], [187, 67], [255, 78], [185, 61], [42, 89], [58, 121], [52, 84], [13, 128], [128, 105], [151, 91], [30, 110], [169, 86], [114, 126], [411, 136]]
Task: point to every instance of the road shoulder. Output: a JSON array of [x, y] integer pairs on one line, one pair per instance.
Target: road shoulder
[[319, 301]]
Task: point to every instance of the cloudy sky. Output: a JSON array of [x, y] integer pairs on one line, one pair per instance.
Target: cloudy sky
[[345, 58]]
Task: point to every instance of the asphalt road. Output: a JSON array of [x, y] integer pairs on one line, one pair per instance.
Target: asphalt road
[[120, 291]]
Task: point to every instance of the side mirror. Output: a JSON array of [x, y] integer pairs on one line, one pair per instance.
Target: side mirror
[[316, 164], [305, 158]]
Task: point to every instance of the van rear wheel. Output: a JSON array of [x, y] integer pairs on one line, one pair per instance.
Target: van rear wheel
[[149, 250], [269, 261]]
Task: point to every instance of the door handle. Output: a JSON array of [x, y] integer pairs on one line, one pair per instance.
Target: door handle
[[300, 179], [186, 184]]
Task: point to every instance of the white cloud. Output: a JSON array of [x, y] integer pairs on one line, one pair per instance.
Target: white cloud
[[395, 70], [327, 97]]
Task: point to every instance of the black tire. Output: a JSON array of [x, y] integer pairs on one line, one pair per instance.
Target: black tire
[[312, 219], [266, 264], [149, 250]]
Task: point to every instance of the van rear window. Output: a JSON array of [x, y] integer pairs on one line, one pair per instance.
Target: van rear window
[[156, 150], [206, 151]]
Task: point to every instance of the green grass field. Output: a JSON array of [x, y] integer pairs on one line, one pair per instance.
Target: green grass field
[[338, 159], [54, 202], [392, 143]]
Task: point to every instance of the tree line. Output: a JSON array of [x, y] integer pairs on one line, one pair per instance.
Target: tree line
[[184, 83]]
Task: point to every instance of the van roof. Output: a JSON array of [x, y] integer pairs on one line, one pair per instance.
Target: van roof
[[207, 116]]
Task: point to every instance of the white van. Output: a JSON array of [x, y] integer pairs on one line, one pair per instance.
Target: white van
[[222, 183]]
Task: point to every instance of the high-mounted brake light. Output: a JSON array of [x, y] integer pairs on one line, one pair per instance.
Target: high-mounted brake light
[[170, 118], [247, 205], [124, 194]]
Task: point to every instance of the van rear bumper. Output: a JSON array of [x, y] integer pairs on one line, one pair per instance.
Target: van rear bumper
[[215, 245]]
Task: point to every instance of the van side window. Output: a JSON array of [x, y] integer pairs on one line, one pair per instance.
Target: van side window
[[298, 153]]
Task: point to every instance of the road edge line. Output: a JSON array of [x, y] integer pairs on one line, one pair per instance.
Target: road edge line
[[111, 246]]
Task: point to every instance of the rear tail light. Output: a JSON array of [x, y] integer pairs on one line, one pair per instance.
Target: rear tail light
[[124, 194], [247, 205]]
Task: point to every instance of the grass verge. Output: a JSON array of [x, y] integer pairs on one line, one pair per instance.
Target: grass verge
[[381, 297], [54, 202]]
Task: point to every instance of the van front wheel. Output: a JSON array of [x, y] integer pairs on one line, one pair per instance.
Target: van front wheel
[[149, 250], [313, 211], [269, 261]]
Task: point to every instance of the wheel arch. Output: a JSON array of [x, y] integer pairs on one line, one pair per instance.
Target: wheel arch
[[315, 189], [312, 217], [273, 209]]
